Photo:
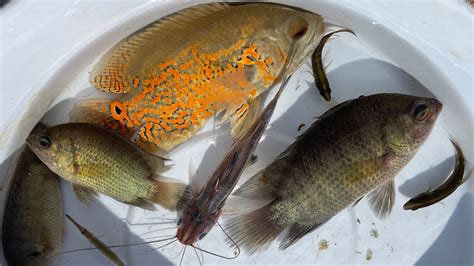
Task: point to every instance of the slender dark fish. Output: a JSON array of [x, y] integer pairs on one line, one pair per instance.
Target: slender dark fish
[[455, 180], [97, 243], [319, 73], [355, 148], [32, 223], [205, 207]]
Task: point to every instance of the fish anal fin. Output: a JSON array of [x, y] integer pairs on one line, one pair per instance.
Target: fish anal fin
[[83, 194], [142, 203], [254, 231], [120, 69], [296, 232], [382, 199], [244, 117]]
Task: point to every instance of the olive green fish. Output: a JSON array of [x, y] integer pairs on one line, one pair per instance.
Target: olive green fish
[[447, 188], [355, 148], [97, 243], [32, 223], [175, 74], [319, 73], [95, 160]]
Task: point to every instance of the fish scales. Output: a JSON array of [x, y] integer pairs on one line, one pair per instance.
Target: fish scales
[[213, 58], [97, 160], [32, 223], [355, 148]]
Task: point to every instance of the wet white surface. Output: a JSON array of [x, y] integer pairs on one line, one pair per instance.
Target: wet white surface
[[45, 64]]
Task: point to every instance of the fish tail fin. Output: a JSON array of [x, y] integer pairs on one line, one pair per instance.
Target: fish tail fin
[[263, 185], [255, 230], [97, 111], [172, 195]]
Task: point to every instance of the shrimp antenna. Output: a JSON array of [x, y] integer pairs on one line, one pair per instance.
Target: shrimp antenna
[[230, 238], [120, 246]]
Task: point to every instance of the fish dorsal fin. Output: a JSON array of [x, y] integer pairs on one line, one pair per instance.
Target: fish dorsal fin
[[118, 68], [382, 199], [156, 164]]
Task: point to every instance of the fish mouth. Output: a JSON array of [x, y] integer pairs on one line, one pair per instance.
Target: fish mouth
[[437, 107]]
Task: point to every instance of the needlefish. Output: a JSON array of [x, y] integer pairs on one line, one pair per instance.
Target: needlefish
[[210, 60], [354, 149]]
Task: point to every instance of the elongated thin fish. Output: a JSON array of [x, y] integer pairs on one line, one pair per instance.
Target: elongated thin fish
[[205, 207], [95, 160], [32, 223], [356, 148], [319, 73], [447, 188], [173, 75], [97, 243]]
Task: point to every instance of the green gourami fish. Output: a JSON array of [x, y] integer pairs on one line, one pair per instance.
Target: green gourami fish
[[32, 223], [173, 75], [95, 159], [355, 148]]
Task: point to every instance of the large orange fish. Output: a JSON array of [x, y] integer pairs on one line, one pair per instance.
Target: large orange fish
[[173, 75]]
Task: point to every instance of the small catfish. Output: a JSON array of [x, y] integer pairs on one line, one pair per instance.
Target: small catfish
[[97, 243], [354, 149], [455, 180], [173, 75], [32, 223], [319, 73], [95, 159], [205, 207]]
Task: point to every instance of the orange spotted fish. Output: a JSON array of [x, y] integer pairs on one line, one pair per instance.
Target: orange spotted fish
[[173, 75]]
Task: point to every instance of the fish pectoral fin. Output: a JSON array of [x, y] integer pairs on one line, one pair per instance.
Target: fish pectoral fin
[[119, 70], [142, 203], [83, 194], [243, 117], [296, 232], [382, 199]]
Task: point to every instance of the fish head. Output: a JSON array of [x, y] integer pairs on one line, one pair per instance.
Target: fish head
[[195, 223], [287, 26], [55, 150], [416, 118]]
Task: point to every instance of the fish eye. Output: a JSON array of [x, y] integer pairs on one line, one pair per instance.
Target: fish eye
[[180, 220], [201, 236], [35, 253], [298, 28], [421, 111], [44, 141]]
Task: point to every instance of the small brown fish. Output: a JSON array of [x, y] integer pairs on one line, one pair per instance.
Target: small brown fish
[[357, 147], [96, 160], [97, 243], [319, 73], [455, 180], [32, 223], [175, 74]]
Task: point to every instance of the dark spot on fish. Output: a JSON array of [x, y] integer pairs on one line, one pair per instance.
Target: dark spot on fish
[[358, 220], [253, 159], [35, 253], [301, 126]]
